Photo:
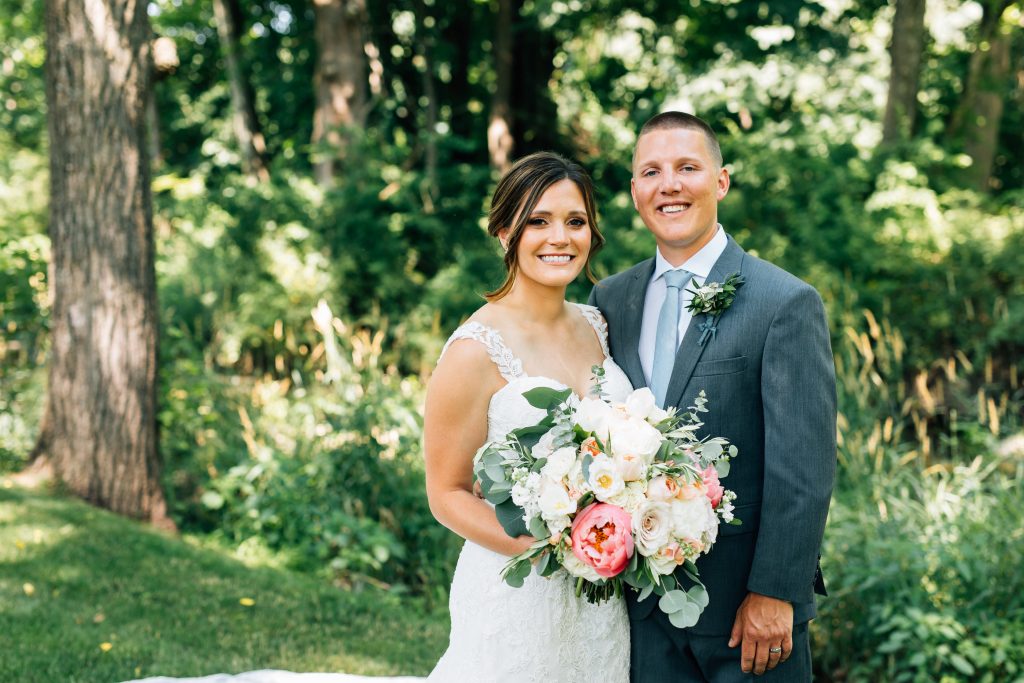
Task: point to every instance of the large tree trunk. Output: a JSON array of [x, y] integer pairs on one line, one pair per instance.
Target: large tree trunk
[[976, 121], [906, 51], [246, 125], [100, 429], [340, 81], [499, 129]]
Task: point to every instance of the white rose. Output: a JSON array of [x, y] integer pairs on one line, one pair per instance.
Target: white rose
[[631, 467], [631, 497], [652, 526], [559, 463], [690, 517], [554, 500], [604, 479], [663, 488], [712, 526], [634, 436], [544, 446], [558, 524], [572, 564], [592, 415], [575, 477], [640, 403]]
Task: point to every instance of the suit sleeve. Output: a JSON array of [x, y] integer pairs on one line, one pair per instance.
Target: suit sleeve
[[798, 391], [592, 299]]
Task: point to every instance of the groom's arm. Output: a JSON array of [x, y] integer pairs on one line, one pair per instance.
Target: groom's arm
[[799, 398], [798, 392]]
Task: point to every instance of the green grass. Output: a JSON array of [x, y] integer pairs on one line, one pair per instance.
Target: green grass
[[73, 578]]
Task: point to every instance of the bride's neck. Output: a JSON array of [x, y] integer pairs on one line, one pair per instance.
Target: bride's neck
[[537, 304]]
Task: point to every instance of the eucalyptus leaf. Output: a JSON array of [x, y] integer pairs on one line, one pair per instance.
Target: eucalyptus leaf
[[723, 467], [496, 474], [685, 617], [645, 592], [698, 595], [673, 601], [538, 529], [510, 516], [587, 460]]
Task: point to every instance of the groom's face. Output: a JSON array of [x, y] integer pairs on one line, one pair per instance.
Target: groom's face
[[676, 188]]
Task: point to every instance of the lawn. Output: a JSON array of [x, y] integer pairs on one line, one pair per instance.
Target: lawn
[[87, 596]]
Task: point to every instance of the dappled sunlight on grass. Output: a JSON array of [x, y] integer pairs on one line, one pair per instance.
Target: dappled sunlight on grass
[[120, 601]]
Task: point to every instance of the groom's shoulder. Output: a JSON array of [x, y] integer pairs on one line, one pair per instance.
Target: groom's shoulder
[[767, 276], [622, 277]]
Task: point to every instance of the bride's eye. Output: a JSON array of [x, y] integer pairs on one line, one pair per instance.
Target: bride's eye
[[578, 222], [536, 220]]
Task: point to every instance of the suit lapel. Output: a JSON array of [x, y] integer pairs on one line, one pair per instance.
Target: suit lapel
[[631, 322], [689, 350]]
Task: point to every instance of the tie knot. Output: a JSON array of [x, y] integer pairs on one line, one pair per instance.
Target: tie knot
[[677, 278]]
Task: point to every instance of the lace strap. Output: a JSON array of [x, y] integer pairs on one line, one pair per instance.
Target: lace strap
[[600, 325], [509, 366]]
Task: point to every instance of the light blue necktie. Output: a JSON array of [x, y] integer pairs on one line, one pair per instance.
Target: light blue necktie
[[667, 340]]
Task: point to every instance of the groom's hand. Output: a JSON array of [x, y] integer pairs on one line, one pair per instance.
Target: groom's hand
[[762, 623]]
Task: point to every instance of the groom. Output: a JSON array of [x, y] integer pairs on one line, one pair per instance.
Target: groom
[[766, 365]]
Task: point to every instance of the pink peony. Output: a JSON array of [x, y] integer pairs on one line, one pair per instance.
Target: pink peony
[[715, 490], [602, 538]]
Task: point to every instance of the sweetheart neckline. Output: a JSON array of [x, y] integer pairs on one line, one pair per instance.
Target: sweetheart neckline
[[508, 383]]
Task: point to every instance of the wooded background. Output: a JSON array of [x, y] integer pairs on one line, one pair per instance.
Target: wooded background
[[234, 236]]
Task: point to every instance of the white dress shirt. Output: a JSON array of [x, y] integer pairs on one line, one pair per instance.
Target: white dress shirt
[[700, 264]]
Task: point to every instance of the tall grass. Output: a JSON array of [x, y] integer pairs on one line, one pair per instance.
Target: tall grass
[[924, 536]]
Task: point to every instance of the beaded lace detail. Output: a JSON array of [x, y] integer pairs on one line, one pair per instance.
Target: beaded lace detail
[[540, 632]]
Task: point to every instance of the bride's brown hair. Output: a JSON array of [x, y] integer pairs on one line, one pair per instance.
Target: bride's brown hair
[[517, 195]]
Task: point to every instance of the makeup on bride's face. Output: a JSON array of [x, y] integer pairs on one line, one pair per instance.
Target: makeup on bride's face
[[555, 240]]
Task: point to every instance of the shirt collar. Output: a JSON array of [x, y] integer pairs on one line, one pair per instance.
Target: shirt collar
[[701, 263]]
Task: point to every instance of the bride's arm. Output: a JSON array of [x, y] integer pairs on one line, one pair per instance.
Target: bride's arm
[[455, 426]]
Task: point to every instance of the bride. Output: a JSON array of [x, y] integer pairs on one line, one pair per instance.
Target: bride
[[526, 336]]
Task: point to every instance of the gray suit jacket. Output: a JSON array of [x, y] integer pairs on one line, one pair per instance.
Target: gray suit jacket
[[770, 383]]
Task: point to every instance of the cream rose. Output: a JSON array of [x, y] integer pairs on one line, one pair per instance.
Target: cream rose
[[690, 517], [559, 463], [652, 526]]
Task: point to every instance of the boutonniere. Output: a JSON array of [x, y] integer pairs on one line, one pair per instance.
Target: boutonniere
[[713, 299]]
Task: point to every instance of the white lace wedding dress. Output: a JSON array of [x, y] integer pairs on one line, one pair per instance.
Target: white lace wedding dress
[[540, 632]]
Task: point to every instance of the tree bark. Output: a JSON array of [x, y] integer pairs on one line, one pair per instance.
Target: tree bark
[[499, 128], [906, 51], [976, 121], [340, 81], [100, 427], [246, 124]]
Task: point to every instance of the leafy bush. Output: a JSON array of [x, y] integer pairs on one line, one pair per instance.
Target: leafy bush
[[924, 577], [326, 471]]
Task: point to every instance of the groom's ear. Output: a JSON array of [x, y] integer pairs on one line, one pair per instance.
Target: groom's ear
[[632, 192], [723, 184]]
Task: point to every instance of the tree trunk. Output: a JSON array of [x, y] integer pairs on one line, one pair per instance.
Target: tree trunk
[[341, 101], [906, 51], [976, 121], [499, 129], [244, 119], [100, 429]]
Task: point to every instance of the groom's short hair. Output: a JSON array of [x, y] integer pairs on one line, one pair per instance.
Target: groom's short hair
[[670, 120]]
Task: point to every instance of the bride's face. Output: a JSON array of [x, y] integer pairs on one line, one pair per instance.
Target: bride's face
[[555, 241]]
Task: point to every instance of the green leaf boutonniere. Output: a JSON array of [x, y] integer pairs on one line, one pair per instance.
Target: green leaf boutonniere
[[713, 299]]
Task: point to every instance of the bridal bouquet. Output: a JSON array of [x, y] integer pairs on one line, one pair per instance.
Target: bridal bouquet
[[614, 493]]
